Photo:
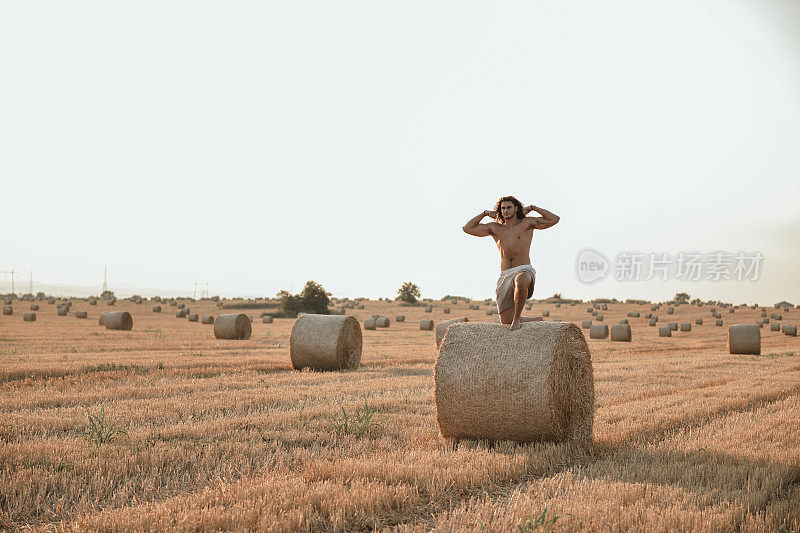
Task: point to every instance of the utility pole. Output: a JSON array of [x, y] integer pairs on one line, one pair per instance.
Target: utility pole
[[194, 294], [30, 284], [105, 279], [13, 273]]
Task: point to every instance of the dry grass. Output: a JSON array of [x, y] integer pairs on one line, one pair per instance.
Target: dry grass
[[224, 435]]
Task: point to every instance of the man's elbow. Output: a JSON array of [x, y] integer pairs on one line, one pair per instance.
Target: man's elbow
[[465, 229]]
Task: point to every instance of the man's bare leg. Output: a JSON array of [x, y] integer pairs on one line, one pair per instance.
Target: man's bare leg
[[521, 285]]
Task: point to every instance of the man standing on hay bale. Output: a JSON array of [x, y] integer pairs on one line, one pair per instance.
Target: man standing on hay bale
[[513, 232]]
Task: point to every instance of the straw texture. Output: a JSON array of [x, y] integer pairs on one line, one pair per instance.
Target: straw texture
[[119, 320], [326, 342], [233, 326], [441, 328], [744, 339], [533, 384]]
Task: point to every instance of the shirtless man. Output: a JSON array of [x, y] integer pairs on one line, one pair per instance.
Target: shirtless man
[[512, 232]]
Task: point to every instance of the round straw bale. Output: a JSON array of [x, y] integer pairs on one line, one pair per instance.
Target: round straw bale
[[233, 326], [446, 310], [528, 307], [192, 317], [173, 303], [34, 307], [382, 322], [156, 308], [790, 330], [766, 320], [51, 301], [672, 326], [670, 310], [623, 321], [92, 301], [621, 332], [744, 339], [426, 324], [6, 301], [181, 306], [598, 331], [112, 302], [81, 314], [181, 314], [400, 318], [730, 310], [266, 319], [428, 308], [101, 320], [369, 323], [8, 310], [533, 384], [635, 314], [119, 320], [441, 328], [208, 319], [699, 321], [652, 322], [376, 315], [29, 317], [686, 326], [488, 312], [588, 309], [648, 315], [763, 313], [586, 324], [599, 318], [558, 305], [719, 322], [664, 331], [604, 307], [361, 306], [545, 313], [325, 342], [775, 327], [778, 317], [63, 310]]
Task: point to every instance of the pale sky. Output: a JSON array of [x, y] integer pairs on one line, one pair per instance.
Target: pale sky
[[257, 145]]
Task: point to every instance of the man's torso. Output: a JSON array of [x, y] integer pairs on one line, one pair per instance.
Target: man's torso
[[514, 243]]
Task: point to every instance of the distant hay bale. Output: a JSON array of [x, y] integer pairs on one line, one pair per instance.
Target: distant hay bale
[[181, 306], [173, 303], [623, 321], [652, 322], [6, 301], [528, 307], [488, 312], [266, 319], [621, 333], [63, 310], [209, 319], [594, 312], [775, 327], [326, 342], [790, 330], [81, 314], [719, 322], [121, 320], [699, 321], [92, 301], [686, 326], [765, 320], [586, 324], [400, 318], [664, 331], [51, 301], [598, 331], [361, 306], [8, 310], [376, 316], [112, 302], [441, 328], [426, 324], [635, 314], [599, 318], [763, 313], [192, 317], [446, 310], [670, 310], [156, 308], [744, 339], [181, 314], [369, 324], [34, 307], [382, 322], [233, 326], [604, 307], [558, 305], [533, 384], [778, 317], [428, 308], [673, 326], [545, 313], [648, 315], [29, 317]]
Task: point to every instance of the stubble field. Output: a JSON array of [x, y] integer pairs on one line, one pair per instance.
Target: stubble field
[[225, 435]]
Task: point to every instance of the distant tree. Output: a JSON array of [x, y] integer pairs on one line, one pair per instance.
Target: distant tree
[[40, 296], [107, 295], [408, 293], [315, 299], [682, 297], [290, 303]]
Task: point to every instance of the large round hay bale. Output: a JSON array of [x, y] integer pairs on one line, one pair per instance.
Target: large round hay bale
[[81, 314], [119, 320], [664, 331], [426, 324], [744, 339], [101, 320], [648, 315], [192, 317], [718, 322], [621, 333], [790, 330], [233, 326], [400, 318], [8, 310], [34, 307], [382, 322], [266, 319], [369, 324], [598, 331], [29, 317], [156, 308], [766, 320], [533, 384], [775, 327], [325, 342], [441, 328], [586, 324], [635, 314], [208, 319], [686, 326]]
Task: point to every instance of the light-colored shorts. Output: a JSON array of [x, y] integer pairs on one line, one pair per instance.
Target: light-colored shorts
[[505, 286]]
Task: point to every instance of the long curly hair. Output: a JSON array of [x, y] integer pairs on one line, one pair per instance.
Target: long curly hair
[[517, 203]]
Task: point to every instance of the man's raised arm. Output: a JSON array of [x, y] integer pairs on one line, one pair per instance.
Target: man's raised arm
[[474, 227], [545, 221]]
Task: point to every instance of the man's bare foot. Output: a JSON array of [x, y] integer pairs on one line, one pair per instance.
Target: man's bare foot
[[515, 325]]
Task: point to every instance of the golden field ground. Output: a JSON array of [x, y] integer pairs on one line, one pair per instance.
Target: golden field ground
[[225, 435]]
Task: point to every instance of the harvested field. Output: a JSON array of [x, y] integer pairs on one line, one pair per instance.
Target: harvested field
[[224, 434]]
